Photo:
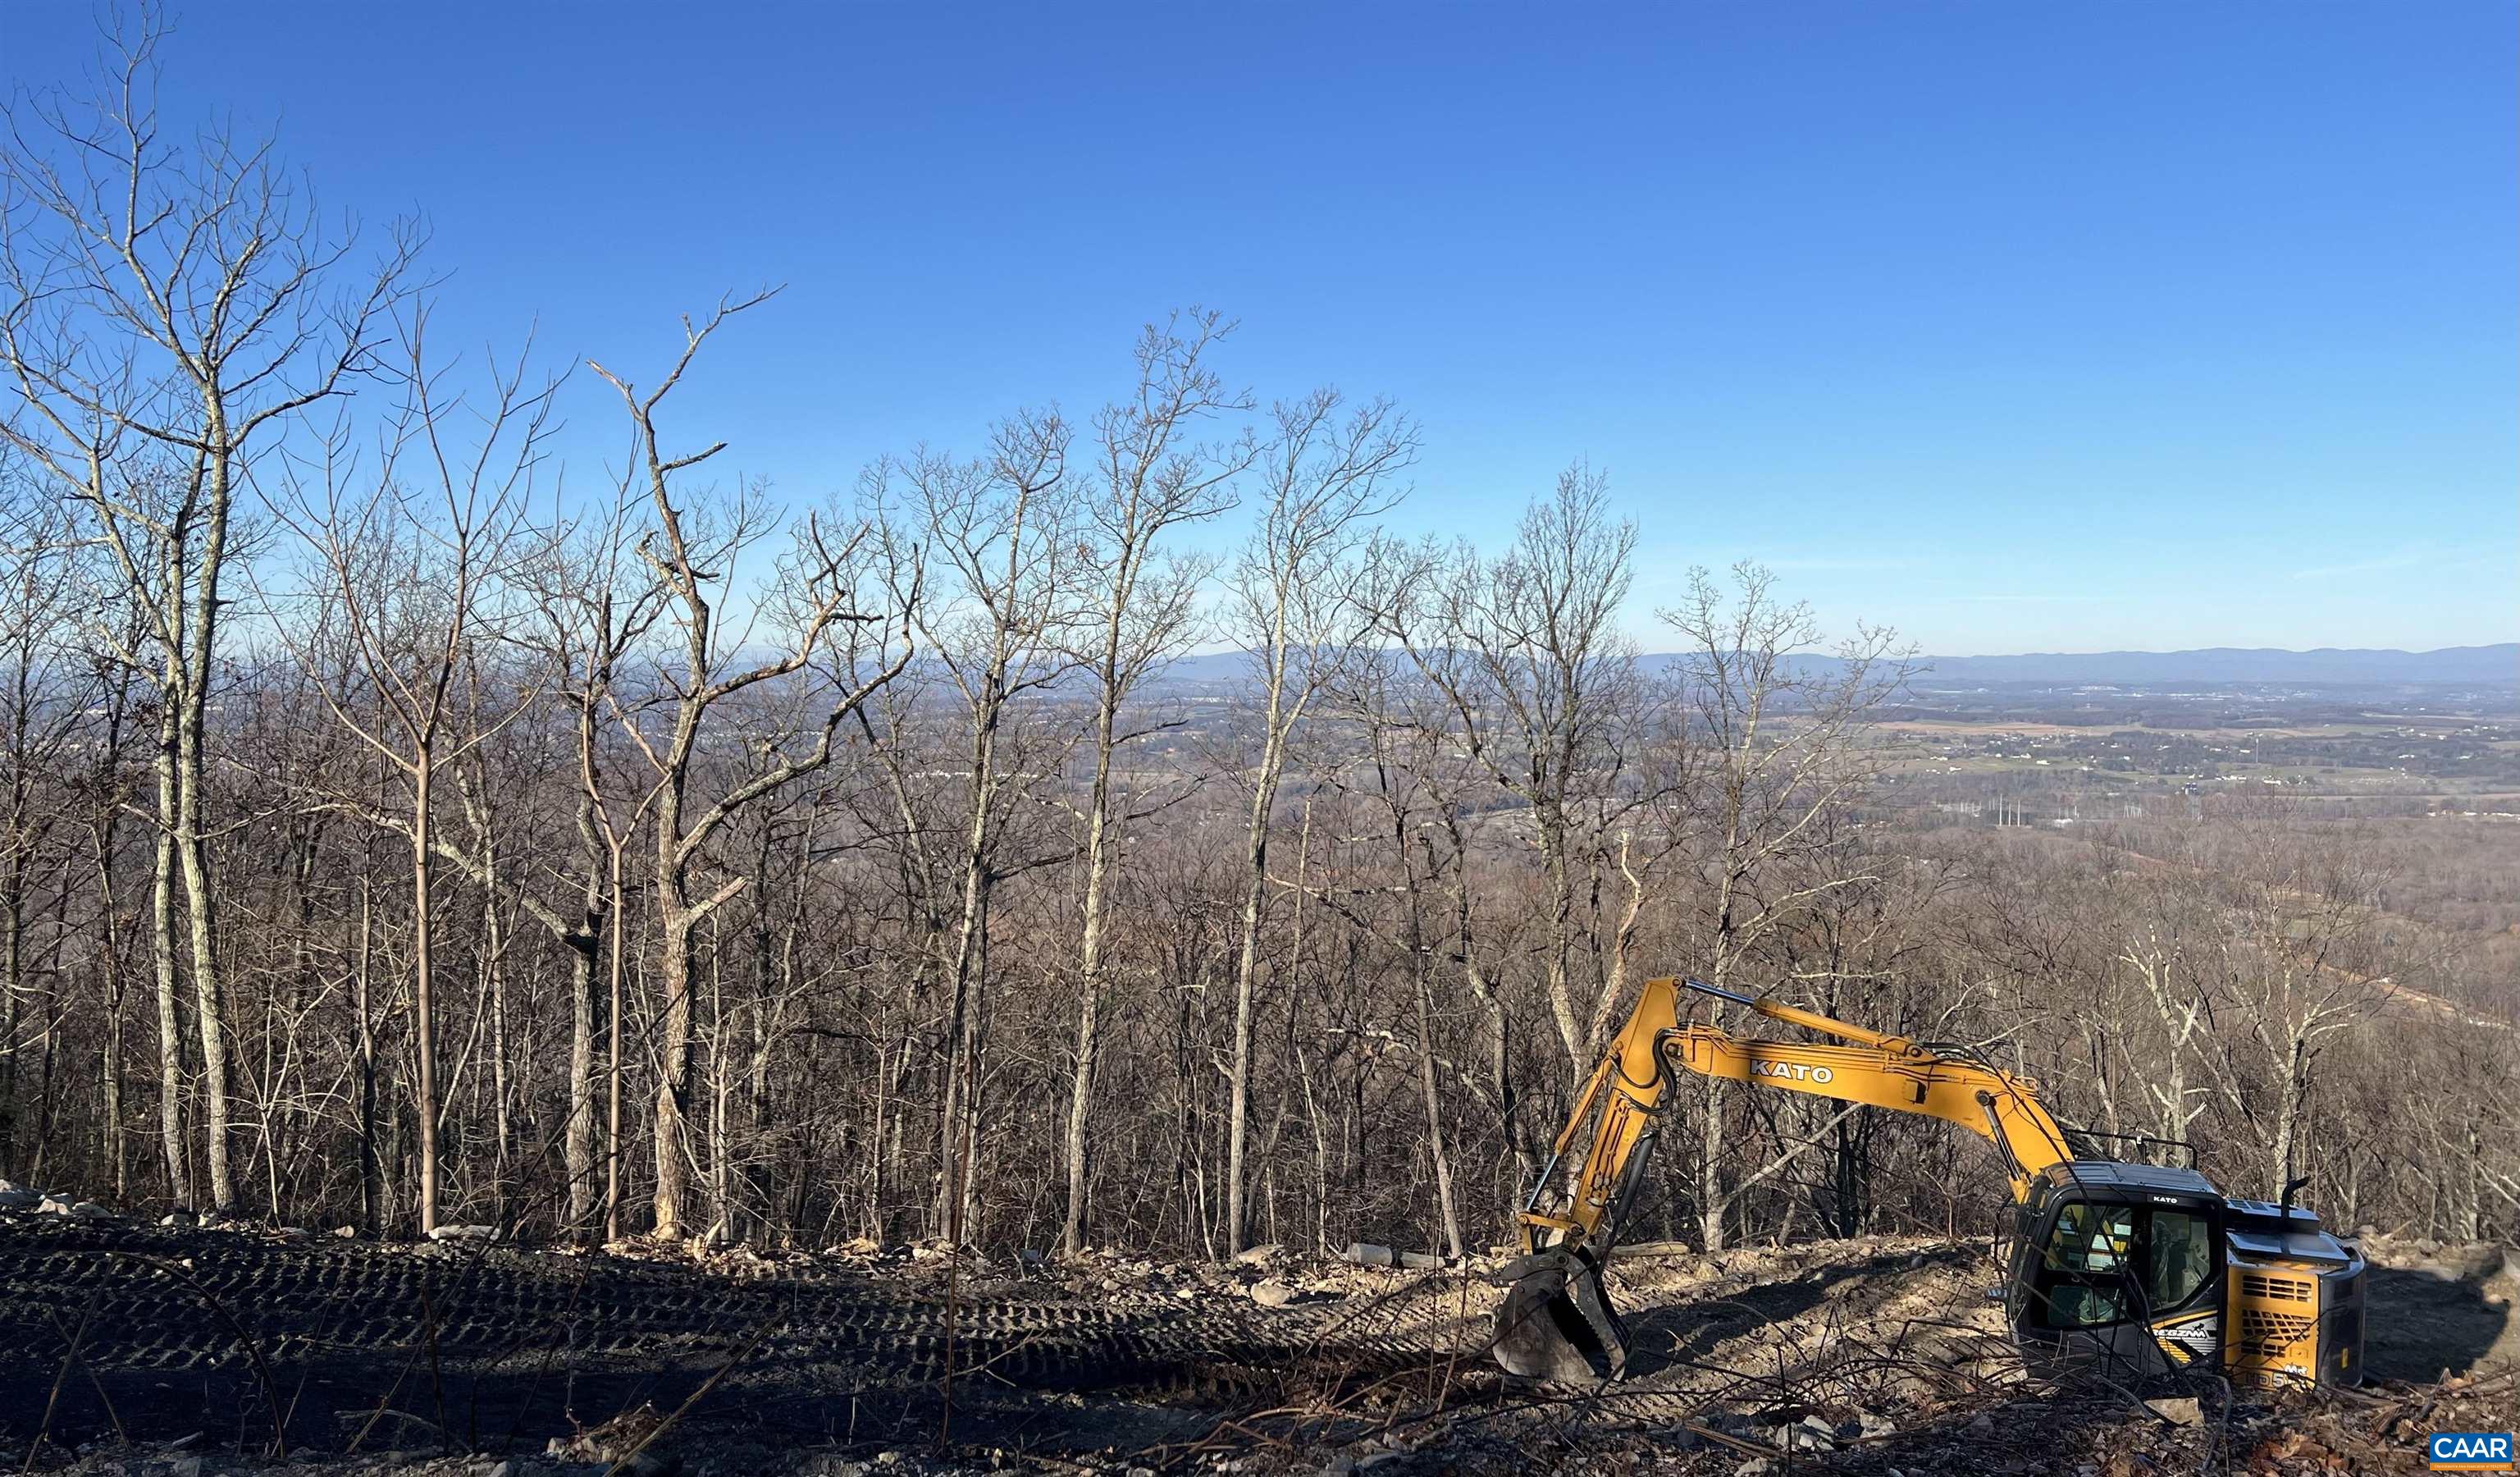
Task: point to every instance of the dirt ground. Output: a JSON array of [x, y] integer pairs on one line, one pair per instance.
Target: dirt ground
[[202, 1351]]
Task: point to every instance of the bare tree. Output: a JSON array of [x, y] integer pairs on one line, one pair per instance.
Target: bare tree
[[1327, 473], [1150, 479], [2163, 969], [592, 608], [1527, 652], [994, 542], [412, 559], [164, 307], [1783, 730], [2295, 968], [44, 689], [817, 587], [1402, 752]]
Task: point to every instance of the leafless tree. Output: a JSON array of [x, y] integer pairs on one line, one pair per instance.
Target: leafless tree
[[2296, 966], [818, 590], [1325, 474], [1783, 726], [1527, 652], [166, 307], [44, 690], [414, 558], [994, 543], [594, 603], [1150, 477]]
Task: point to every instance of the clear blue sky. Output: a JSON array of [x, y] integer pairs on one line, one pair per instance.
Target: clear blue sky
[[2020, 327]]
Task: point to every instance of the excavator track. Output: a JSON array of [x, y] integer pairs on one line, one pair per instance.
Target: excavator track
[[356, 1324]]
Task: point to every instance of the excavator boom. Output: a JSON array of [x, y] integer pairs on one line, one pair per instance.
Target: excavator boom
[[1631, 1085], [2118, 1261]]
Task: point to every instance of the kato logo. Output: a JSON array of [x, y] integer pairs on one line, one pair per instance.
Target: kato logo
[[1793, 1070], [2468, 1452]]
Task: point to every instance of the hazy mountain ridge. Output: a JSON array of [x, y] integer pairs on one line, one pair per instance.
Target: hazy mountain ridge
[[2328, 664], [2497, 665]]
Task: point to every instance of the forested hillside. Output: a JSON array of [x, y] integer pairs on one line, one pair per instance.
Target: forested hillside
[[387, 840]]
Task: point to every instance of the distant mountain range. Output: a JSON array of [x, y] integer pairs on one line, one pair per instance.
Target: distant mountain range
[[2497, 666], [2327, 667]]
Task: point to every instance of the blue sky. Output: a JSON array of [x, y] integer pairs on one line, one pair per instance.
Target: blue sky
[[2018, 327]]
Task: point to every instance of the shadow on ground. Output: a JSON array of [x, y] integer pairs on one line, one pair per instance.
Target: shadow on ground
[[2420, 1325], [1678, 1335], [502, 1351]]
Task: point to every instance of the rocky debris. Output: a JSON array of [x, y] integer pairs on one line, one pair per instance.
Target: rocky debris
[[2471, 1261], [2457, 1261], [1273, 1293], [628, 1441], [1812, 1433], [1366, 1254], [2178, 1412]]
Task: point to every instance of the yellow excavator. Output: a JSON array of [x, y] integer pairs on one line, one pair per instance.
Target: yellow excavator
[[2135, 1270]]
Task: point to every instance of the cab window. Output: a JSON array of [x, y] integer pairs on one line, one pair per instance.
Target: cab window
[[2177, 1257], [2080, 1285], [2098, 1257]]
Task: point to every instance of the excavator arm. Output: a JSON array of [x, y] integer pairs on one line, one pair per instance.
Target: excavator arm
[[1569, 1227], [1629, 1087]]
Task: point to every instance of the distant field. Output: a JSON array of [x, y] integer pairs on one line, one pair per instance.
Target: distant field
[[2008, 725]]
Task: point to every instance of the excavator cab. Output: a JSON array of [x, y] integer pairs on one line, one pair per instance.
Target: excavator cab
[[2119, 1267], [2133, 1269]]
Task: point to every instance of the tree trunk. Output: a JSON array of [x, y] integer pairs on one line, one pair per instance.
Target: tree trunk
[[1089, 957], [1426, 1084], [612, 1142], [955, 1134], [1247, 969], [577, 1140], [192, 844], [2295, 1084], [424, 1004], [13, 983], [1080, 1092], [371, 1177], [673, 1051], [1573, 1034], [162, 948]]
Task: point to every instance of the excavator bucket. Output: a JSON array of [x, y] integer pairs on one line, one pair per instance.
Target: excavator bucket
[[1554, 1323]]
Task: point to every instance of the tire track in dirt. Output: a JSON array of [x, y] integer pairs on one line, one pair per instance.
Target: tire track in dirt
[[353, 1325]]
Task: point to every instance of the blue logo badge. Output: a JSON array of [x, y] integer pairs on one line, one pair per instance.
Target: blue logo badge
[[2468, 1452]]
